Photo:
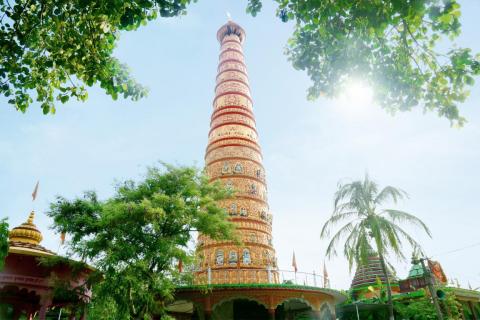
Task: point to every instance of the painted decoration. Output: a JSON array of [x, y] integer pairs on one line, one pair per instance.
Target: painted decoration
[[225, 168], [219, 258], [238, 168], [233, 209], [232, 257], [243, 212], [246, 257]]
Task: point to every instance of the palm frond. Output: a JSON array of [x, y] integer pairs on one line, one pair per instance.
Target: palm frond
[[356, 202], [362, 249], [335, 219], [331, 252], [390, 238], [392, 193], [343, 192], [415, 245], [402, 216]]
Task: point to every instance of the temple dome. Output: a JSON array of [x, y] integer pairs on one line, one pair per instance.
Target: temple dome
[[27, 232]]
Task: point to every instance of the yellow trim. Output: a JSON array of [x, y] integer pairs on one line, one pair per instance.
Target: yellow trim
[[29, 252]]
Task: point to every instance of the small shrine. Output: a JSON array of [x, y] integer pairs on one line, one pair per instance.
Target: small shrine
[[368, 291], [28, 287], [369, 279]]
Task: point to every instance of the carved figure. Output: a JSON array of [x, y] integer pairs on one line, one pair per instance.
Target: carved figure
[[238, 168], [246, 256], [219, 258], [225, 168], [233, 257]]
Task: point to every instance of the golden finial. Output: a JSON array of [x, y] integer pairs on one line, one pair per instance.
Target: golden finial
[[31, 217], [27, 232]]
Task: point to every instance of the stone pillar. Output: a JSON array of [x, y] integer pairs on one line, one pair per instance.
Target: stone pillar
[[43, 312], [207, 306], [45, 302], [84, 313], [472, 310], [271, 314], [208, 314], [317, 314], [17, 313]]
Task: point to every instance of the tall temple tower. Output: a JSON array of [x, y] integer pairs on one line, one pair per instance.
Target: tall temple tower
[[243, 280], [233, 156]]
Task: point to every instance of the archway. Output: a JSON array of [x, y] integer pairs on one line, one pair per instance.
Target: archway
[[240, 309], [326, 313], [185, 309], [294, 309], [17, 302]]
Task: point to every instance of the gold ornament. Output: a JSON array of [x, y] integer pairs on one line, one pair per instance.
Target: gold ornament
[[27, 232]]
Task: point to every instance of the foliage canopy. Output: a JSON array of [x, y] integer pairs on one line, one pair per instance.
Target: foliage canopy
[[52, 49], [394, 46], [136, 238], [423, 309]]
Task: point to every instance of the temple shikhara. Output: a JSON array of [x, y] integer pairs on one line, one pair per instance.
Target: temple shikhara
[[244, 280], [234, 157]]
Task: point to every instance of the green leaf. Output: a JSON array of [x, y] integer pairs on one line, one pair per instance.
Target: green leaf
[[135, 238]]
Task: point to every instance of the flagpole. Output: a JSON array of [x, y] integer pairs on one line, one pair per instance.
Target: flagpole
[[294, 265]]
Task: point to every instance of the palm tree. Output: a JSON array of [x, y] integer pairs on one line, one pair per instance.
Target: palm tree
[[358, 206]]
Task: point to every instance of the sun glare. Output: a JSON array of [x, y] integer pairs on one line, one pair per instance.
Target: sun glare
[[358, 93]]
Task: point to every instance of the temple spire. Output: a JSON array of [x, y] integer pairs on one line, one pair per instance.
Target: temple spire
[[233, 156], [27, 232]]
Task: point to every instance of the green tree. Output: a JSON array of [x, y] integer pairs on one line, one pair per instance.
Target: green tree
[[51, 49], [423, 309], [3, 241], [391, 45], [358, 206], [136, 238]]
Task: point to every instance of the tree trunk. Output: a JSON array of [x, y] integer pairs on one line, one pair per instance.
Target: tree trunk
[[389, 289]]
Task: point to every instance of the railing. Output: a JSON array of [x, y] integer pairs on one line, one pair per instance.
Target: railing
[[302, 278], [252, 275]]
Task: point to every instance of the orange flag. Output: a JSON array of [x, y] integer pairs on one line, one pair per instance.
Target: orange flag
[[294, 262], [34, 193], [180, 265], [62, 238], [326, 281]]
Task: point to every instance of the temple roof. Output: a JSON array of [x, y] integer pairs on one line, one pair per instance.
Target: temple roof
[[26, 238], [416, 271], [368, 274]]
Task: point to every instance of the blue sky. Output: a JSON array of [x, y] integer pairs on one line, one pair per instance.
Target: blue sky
[[307, 146]]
